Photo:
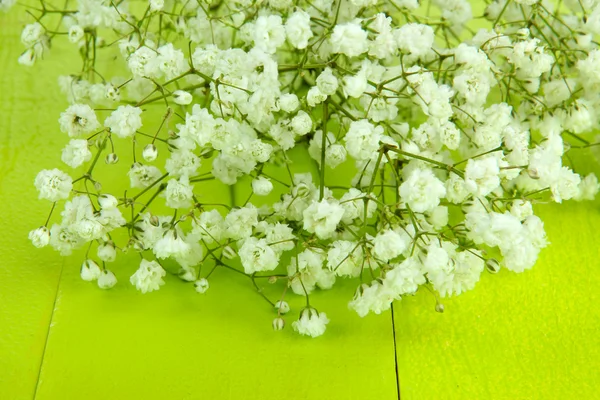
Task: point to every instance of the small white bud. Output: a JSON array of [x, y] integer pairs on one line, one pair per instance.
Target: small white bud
[[107, 252], [261, 186], [201, 285], [282, 307], [107, 201], [301, 123], [90, 271], [289, 102], [182, 97], [278, 324], [156, 5], [229, 253], [492, 266], [523, 33], [107, 280], [40, 237], [439, 307], [150, 152], [75, 34], [188, 274], [111, 158]]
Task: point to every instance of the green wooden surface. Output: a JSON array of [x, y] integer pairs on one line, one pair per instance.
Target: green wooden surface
[[529, 336]]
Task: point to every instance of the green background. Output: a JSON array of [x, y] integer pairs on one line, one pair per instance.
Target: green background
[[526, 336]]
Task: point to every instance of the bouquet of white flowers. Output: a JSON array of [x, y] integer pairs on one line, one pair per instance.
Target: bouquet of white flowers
[[397, 143]]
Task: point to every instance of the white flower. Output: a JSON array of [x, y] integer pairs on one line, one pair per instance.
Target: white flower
[[90, 271], [53, 184], [107, 252], [481, 175], [322, 218], [182, 97], [124, 121], [297, 29], [388, 244], [422, 191], [148, 277], [179, 193], [76, 153], [269, 33], [201, 285], [239, 222], [327, 82], [301, 123], [170, 245], [32, 34], [345, 258], [107, 201], [78, 119], [376, 298], [141, 176], [40, 237], [156, 5], [405, 277], [349, 39], [315, 96], [257, 255], [311, 323], [75, 33], [150, 152], [209, 226], [362, 139], [107, 280], [414, 39], [289, 102], [262, 186]]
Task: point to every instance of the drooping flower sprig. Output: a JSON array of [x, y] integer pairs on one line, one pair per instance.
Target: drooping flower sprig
[[430, 134]]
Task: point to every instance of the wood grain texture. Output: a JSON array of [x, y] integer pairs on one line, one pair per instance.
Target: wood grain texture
[[28, 277], [516, 336], [170, 344]]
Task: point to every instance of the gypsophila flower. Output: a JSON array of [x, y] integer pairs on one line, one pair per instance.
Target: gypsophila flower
[[124, 121], [305, 143], [311, 323], [53, 184], [78, 119], [148, 277], [76, 153]]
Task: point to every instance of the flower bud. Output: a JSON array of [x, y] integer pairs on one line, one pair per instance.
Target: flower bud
[[492, 265], [75, 33], [229, 253], [182, 97], [90, 271], [107, 280], [97, 186], [278, 324], [111, 158], [40, 237], [272, 280], [107, 201], [154, 221], [188, 274], [439, 307], [282, 307], [533, 173], [201, 285], [150, 153], [107, 252], [523, 33], [261, 186]]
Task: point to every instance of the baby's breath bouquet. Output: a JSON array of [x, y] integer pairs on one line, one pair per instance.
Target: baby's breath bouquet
[[397, 143]]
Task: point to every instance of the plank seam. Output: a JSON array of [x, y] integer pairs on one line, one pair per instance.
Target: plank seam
[[395, 353], [37, 384]]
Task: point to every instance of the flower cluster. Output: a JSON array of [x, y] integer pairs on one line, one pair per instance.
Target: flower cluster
[[429, 141]]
